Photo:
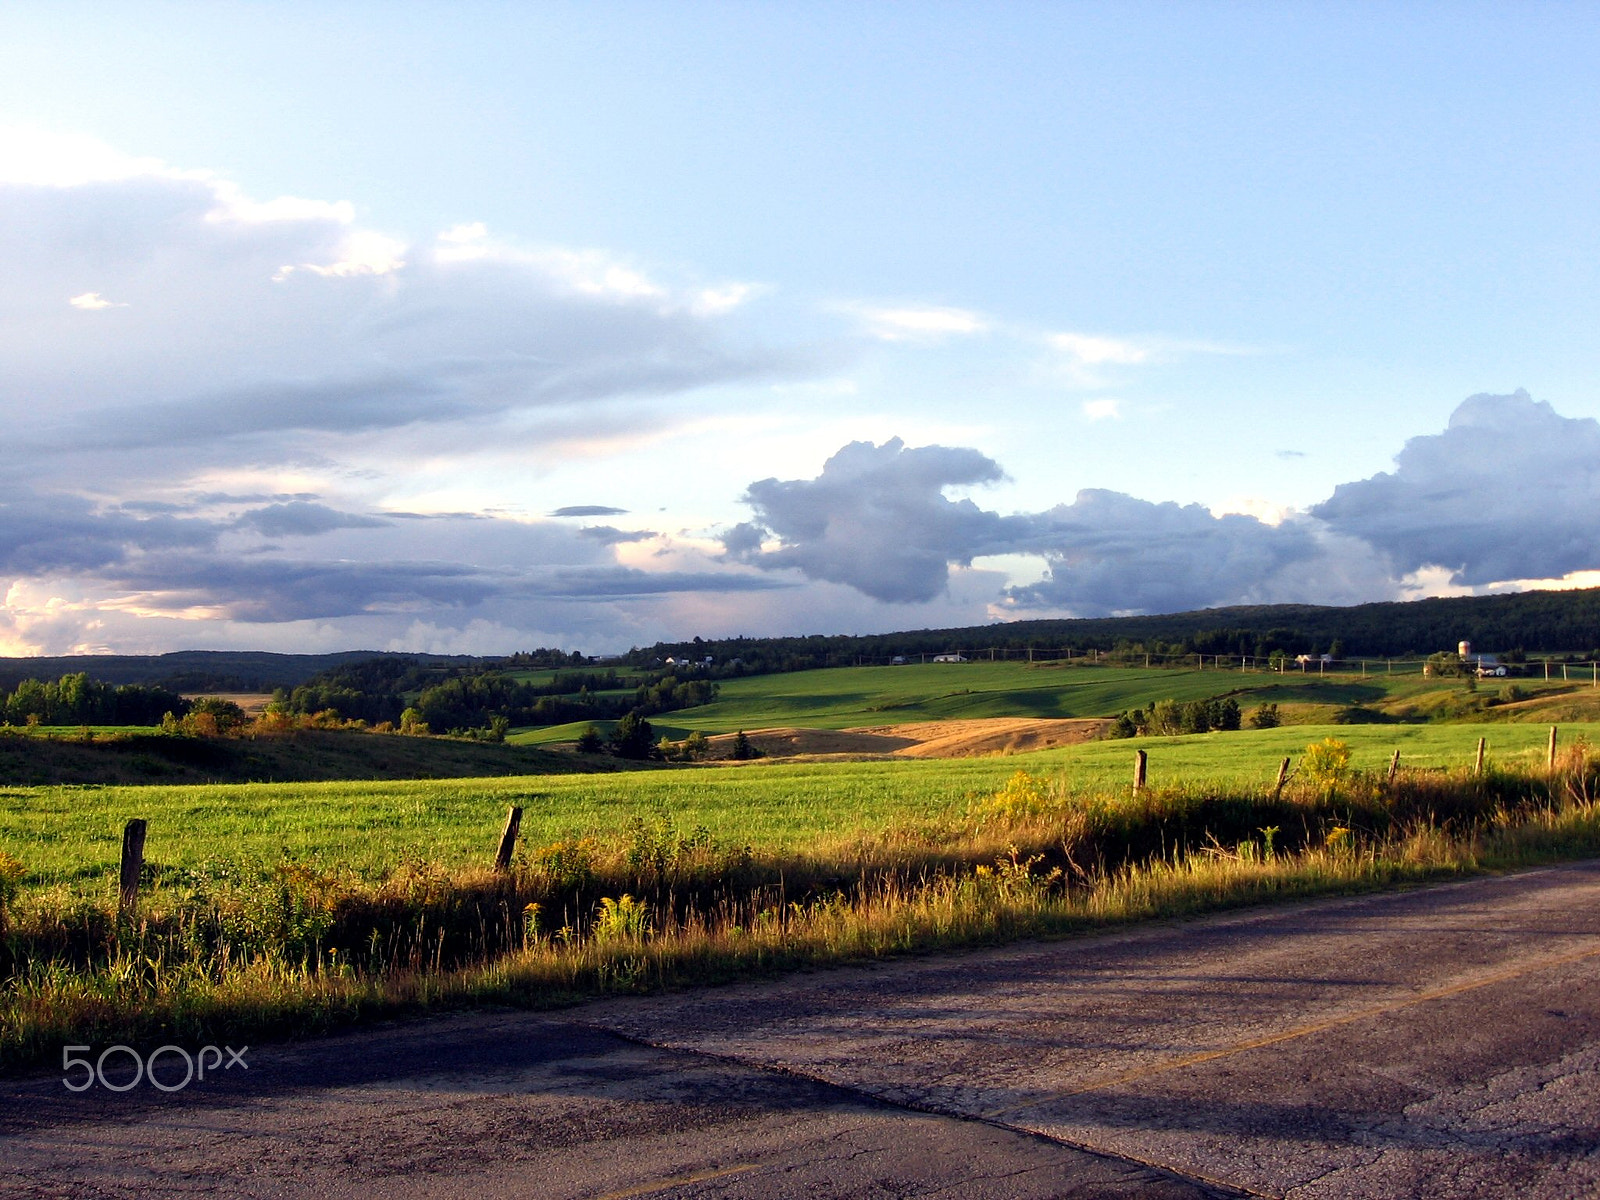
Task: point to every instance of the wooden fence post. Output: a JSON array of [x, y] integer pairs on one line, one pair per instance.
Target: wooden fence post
[[1478, 768], [1550, 760], [132, 863], [508, 839], [1283, 778], [1394, 767], [1140, 759]]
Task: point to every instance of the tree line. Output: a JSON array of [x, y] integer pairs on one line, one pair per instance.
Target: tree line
[[474, 699], [79, 700], [1565, 621]]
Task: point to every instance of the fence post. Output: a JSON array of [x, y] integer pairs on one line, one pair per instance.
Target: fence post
[[1550, 760], [1394, 767], [1478, 769], [1283, 778], [1140, 759], [508, 839], [132, 863]]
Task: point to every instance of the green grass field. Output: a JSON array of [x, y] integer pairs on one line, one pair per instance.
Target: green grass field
[[72, 834], [849, 697]]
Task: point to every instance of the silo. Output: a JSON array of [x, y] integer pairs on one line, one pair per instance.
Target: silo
[[1464, 650]]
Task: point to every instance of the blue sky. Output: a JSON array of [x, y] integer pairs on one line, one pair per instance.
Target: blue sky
[[863, 316]]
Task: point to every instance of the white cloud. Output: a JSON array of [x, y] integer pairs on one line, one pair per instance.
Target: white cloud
[[1094, 350], [363, 252], [35, 158], [901, 324], [92, 302], [714, 301], [1263, 510], [1104, 409]]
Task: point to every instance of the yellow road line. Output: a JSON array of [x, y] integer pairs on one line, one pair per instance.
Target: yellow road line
[[1191, 1060], [661, 1185]]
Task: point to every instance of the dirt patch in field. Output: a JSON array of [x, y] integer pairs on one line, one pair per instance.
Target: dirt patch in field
[[928, 739], [253, 703]]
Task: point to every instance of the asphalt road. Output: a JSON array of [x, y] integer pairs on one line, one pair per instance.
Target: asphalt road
[[1441, 1042]]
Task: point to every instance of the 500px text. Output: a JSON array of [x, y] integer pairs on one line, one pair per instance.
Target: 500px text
[[194, 1066]]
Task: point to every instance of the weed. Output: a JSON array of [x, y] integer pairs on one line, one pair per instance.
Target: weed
[[1326, 764], [623, 919]]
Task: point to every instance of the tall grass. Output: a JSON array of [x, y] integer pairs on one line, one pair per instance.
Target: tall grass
[[251, 948]]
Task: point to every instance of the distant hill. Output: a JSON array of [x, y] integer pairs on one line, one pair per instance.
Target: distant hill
[[205, 670], [1565, 622]]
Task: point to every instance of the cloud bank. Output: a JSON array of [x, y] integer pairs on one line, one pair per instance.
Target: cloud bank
[[1507, 493], [1510, 490]]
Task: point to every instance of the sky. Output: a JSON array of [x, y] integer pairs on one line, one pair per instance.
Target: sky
[[474, 328]]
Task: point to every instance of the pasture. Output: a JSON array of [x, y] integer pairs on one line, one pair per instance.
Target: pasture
[[72, 835], [864, 697]]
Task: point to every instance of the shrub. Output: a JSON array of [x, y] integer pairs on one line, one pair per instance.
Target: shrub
[[590, 741], [1195, 717], [633, 737], [1265, 717], [1225, 714]]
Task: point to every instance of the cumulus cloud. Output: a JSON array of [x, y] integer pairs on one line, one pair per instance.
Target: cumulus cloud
[[876, 519], [1108, 552], [1510, 490]]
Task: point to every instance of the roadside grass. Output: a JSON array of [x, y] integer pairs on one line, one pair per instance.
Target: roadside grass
[[241, 947]]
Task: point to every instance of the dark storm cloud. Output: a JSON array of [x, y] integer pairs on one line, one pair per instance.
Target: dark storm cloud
[[44, 534], [1510, 490], [618, 582], [608, 535], [301, 518], [589, 510], [274, 589]]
